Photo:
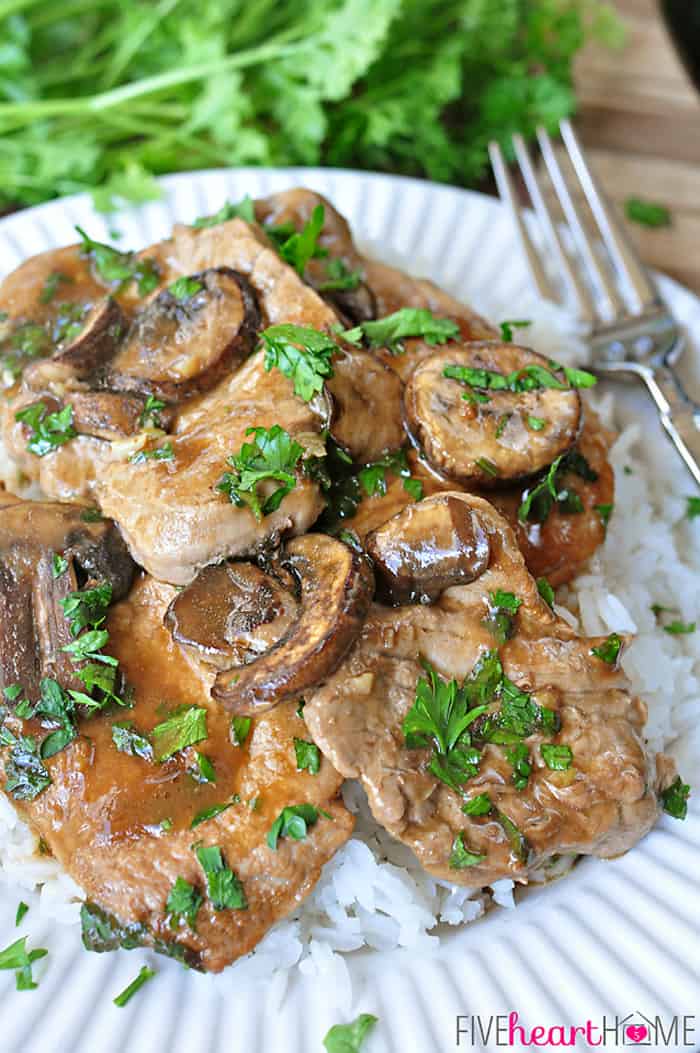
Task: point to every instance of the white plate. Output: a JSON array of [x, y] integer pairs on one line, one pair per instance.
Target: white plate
[[613, 939]]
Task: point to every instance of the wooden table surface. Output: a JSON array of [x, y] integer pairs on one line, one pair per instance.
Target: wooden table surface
[[640, 118]]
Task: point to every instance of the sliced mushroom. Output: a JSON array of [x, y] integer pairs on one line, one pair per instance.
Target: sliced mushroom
[[188, 336], [231, 614], [336, 586], [102, 328], [474, 432], [428, 547], [366, 398], [33, 627]]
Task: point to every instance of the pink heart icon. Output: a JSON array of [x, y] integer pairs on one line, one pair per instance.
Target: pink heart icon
[[636, 1032]]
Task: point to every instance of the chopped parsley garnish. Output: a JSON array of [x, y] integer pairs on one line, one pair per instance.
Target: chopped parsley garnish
[[517, 840], [414, 488], [128, 740], [210, 813], [298, 247], [677, 628], [185, 288], [186, 726], [243, 209], [348, 1038], [527, 378], [461, 857], [25, 774], [503, 606], [22, 909], [119, 268], [674, 799], [48, 430], [240, 729], [158, 453], [518, 756], [487, 467], [128, 993], [87, 607], [59, 565], [479, 805], [502, 424], [339, 277], [183, 904], [536, 423], [88, 646], [308, 756], [18, 958], [508, 327], [604, 511], [647, 213], [150, 414], [608, 651], [91, 515], [225, 889], [692, 509], [556, 757], [272, 456], [51, 284], [546, 591], [300, 353], [204, 770], [407, 322], [550, 491], [293, 821]]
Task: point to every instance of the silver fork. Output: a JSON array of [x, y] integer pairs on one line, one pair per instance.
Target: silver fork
[[630, 329]]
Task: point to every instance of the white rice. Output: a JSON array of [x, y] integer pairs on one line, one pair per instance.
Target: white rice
[[373, 893]]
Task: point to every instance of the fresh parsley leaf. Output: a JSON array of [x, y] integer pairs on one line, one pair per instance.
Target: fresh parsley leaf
[[183, 904], [158, 453], [604, 511], [487, 467], [479, 805], [293, 821], [59, 565], [91, 515], [461, 857], [349, 1038], [677, 628], [273, 455], [18, 958], [692, 510], [674, 799], [205, 770], [414, 488], [225, 889], [550, 491], [300, 353], [187, 726], [339, 277], [308, 756], [209, 813], [518, 756], [25, 774], [22, 909], [403, 324], [48, 431], [503, 606], [508, 327], [243, 209], [88, 646], [608, 651], [117, 268], [184, 288], [145, 974], [556, 757], [240, 729], [300, 247], [579, 378], [128, 740], [647, 213], [527, 378], [546, 591], [536, 423], [87, 607], [150, 414], [51, 284], [518, 843]]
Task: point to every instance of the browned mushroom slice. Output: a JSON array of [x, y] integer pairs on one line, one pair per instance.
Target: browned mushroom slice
[[336, 586], [188, 336], [96, 342], [366, 405], [487, 412], [33, 627], [428, 547], [111, 414], [231, 614]]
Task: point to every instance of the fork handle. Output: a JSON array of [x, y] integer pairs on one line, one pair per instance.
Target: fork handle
[[679, 415]]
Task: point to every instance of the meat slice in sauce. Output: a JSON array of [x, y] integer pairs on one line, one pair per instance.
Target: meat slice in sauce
[[600, 802], [121, 824], [476, 433]]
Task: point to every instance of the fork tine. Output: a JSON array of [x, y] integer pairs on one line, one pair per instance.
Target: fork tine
[[576, 288], [508, 196], [604, 284], [629, 265]]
